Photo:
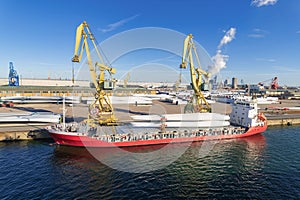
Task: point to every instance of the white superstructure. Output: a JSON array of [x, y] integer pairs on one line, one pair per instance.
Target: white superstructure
[[244, 113]]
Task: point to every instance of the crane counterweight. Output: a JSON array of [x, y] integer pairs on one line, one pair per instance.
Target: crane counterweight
[[75, 58]]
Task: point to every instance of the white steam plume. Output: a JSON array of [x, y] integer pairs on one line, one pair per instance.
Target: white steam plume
[[228, 37], [220, 60]]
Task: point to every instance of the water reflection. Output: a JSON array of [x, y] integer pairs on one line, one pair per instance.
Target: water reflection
[[229, 164]]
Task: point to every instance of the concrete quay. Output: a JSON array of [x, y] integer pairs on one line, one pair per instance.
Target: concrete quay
[[28, 132], [284, 120]]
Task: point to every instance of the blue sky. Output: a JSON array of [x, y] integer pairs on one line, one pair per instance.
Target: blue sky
[[39, 36]]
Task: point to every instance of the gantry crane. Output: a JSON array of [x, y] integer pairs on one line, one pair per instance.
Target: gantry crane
[[198, 102], [13, 77], [101, 110]]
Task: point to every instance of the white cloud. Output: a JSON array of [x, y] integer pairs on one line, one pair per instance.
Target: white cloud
[[266, 59], [48, 64], [258, 33], [298, 32], [285, 69], [117, 24], [259, 3], [168, 58], [228, 37]]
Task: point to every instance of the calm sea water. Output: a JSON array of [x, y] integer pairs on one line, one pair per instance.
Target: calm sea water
[[266, 166]]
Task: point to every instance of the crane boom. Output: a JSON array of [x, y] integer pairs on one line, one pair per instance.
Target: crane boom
[[101, 111], [196, 74]]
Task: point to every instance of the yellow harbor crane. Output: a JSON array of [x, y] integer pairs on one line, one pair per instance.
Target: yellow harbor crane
[[198, 102], [101, 110]]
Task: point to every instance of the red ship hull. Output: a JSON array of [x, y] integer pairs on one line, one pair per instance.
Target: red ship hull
[[75, 139]]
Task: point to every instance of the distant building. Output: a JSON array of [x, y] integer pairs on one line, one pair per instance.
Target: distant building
[[226, 83], [234, 83], [213, 83]]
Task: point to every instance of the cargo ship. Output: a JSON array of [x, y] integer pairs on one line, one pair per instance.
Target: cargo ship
[[244, 121]]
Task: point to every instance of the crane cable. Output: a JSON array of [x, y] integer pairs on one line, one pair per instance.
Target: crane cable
[[73, 72], [102, 52]]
